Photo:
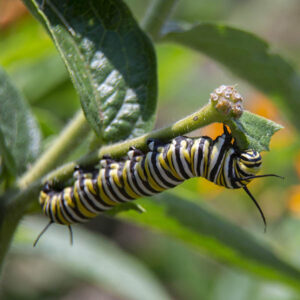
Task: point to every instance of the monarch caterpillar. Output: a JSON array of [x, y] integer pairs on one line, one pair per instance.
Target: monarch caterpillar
[[164, 166]]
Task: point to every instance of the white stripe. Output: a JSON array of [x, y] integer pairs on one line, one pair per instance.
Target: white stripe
[[49, 210], [72, 211], [174, 162], [186, 167], [115, 188], [215, 153], [95, 201], [141, 185], [196, 156], [152, 171], [66, 216], [105, 187], [204, 157], [163, 172], [84, 202], [129, 178], [74, 215], [226, 168]]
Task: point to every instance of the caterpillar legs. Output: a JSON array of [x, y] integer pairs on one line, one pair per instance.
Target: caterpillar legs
[[46, 228]]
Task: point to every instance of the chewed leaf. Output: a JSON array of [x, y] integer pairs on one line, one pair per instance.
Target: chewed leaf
[[256, 130], [111, 62]]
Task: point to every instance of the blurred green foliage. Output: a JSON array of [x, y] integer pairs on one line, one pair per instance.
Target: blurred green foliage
[[176, 269]]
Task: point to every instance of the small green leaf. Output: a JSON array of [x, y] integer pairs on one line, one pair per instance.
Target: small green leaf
[[19, 133], [126, 207], [256, 130], [111, 62], [248, 57]]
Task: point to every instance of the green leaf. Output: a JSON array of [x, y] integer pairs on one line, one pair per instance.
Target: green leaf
[[246, 55], [19, 133], [94, 259], [254, 131], [111, 62], [209, 233]]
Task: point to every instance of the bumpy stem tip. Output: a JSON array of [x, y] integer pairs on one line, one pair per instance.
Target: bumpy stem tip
[[227, 101]]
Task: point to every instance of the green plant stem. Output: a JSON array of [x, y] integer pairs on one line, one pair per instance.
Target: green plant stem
[[201, 118], [71, 136], [157, 14]]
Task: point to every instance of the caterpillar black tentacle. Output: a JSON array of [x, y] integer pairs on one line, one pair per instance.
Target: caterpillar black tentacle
[[164, 166]]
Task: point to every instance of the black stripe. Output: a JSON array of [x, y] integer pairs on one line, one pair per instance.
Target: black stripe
[[252, 165], [200, 156], [154, 158], [232, 174], [64, 206], [86, 196], [207, 163], [242, 173], [221, 154], [108, 185], [166, 171], [250, 159], [120, 177], [189, 144], [76, 208], [49, 208], [165, 156], [146, 183], [58, 208], [131, 173], [177, 157], [96, 188]]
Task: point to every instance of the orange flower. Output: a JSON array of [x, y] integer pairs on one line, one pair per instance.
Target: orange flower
[[11, 11], [294, 200], [212, 130]]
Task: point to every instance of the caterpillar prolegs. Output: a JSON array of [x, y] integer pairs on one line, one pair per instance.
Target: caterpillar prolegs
[[163, 166]]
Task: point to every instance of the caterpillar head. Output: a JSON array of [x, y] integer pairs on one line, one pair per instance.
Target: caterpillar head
[[249, 163]]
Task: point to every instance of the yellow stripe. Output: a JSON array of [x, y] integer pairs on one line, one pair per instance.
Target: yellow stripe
[[205, 157], [59, 213], [248, 170], [53, 204], [141, 171], [127, 187], [169, 158], [80, 206], [115, 177], [47, 199], [103, 196], [221, 180], [185, 151], [163, 163], [193, 151], [43, 198], [151, 180], [90, 186], [68, 198]]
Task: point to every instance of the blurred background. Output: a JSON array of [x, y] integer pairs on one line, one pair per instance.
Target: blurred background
[[112, 250]]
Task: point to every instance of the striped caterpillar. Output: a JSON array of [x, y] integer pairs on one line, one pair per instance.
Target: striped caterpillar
[[164, 166]]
